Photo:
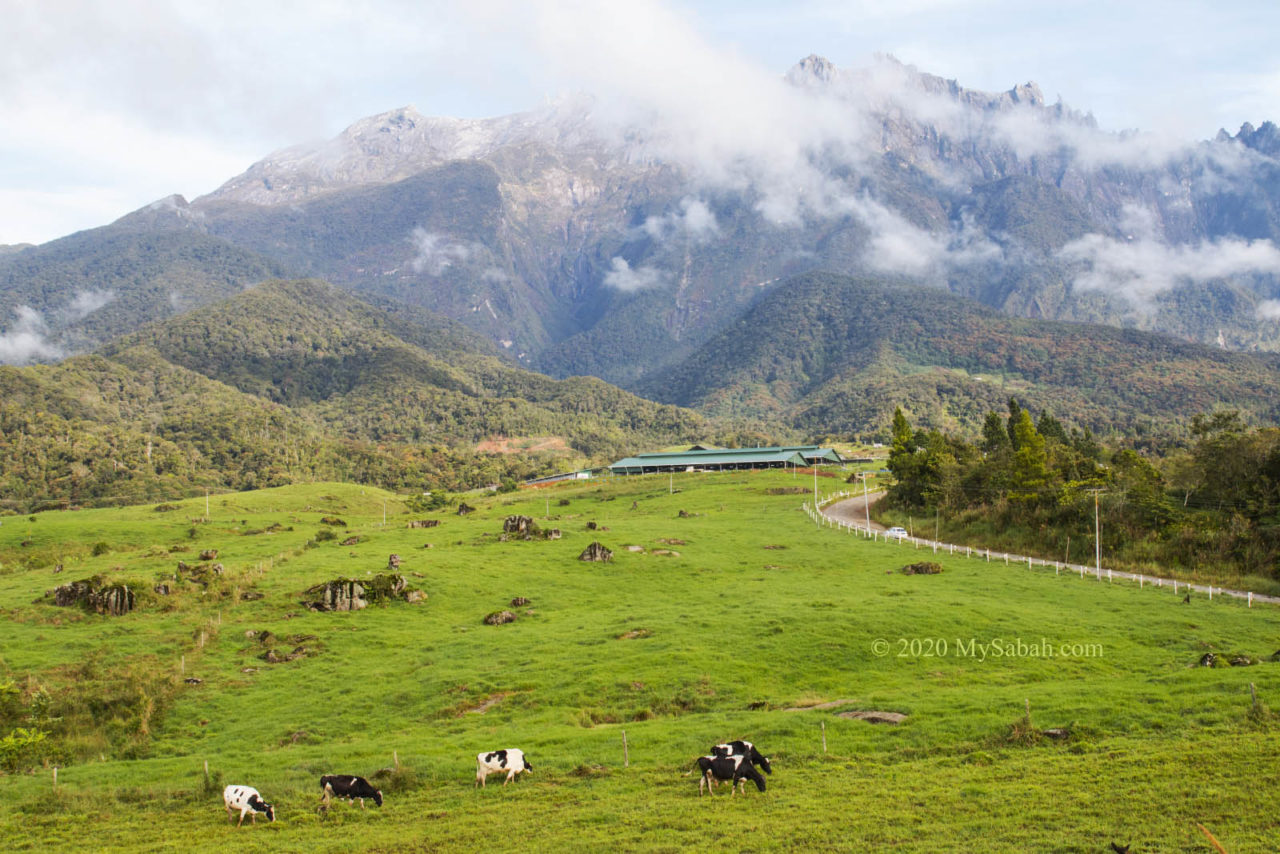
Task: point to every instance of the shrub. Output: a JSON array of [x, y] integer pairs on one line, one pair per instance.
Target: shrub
[[23, 749], [101, 548], [325, 534]]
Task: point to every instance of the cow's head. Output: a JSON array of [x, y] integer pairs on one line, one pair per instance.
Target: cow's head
[[377, 797], [257, 804], [528, 766], [760, 759]]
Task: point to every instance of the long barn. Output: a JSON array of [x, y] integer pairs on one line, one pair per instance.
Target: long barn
[[726, 459]]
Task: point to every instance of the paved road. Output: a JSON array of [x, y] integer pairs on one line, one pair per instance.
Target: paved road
[[853, 511]]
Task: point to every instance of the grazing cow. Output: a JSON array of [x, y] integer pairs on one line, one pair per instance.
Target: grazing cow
[[743, 748], [248, 801], [349, 788], [510, 762], [736, 770]]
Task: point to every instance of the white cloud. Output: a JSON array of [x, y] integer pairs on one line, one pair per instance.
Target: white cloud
[[436, 252], [86, 303], [26, 339], [1269, 309], [622, 277], [694, 220], [898, 246], [1141, 267]]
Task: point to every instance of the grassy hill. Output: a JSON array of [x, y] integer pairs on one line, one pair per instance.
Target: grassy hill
[[832, 353], [748, 626]]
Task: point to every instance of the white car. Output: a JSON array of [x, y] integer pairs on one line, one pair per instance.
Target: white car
[[896, 532]]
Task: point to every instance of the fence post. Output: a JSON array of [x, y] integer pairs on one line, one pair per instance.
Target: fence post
[[626, 753], [824, 736]]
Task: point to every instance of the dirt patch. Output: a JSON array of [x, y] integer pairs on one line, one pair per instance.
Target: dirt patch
[[875, 717], [817, 707], [672, 541], [489, 702], [521, 444], [635, 633]]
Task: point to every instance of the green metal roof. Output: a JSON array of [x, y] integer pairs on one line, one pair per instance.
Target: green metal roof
[[728, 456]]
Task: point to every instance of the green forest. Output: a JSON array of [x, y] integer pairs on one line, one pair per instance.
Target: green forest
[[1207, 507]]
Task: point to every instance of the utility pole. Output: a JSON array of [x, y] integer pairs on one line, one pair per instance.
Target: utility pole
[[1097, 534], [866, 500], [815, 486]]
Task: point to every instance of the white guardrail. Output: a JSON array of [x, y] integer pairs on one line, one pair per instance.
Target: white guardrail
[[819, 516]]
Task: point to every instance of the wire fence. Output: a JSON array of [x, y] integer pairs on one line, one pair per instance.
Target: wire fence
[[817, 513]]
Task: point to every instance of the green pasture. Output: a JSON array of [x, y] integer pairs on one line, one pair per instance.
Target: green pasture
[[754, 618]]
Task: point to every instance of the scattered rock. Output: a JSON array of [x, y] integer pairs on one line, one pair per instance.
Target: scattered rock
[[523, 525], [341, 594], [414, 596], [162, 589], [426, 546], [591, 526], [350, 541], [464, 509], [248, 670], [498, 618], [519, 602], [57, 568], [1057, 733], [683, 514], [553, 534], [209, 554], [635, 633], [1208, 660], [927, 567], [393, 561], [271, 657], [424, 523], [775, 547], [250, 596], [635, 548], [596, 552], [1242, 661], [334, 521], [672, 541], [665, 552], [114, 600], [875, 717], [193, 680]]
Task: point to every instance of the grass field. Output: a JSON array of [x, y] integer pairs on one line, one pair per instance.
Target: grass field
[[754, 616]]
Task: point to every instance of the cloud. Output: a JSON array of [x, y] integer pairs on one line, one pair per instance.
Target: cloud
[[1142, 266], [436, 252], [1269, 309], [694, 220], [26, 340], [897, 246], [622, 277], [86, 303]]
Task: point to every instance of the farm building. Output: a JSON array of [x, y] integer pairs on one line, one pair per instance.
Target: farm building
[[725, 459]]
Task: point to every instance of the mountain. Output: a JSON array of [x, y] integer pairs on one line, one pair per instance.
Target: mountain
[[298, 380], [616, 238], [828, 352]]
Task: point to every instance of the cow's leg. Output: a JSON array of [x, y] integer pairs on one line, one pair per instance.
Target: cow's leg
[[241, 821], [361, 800], [230, 817]]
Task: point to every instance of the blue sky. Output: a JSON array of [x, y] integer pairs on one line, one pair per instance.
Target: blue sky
[[110, 104]]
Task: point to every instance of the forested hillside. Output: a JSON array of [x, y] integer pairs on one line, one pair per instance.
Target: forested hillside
[[296, 381], [832, 353]]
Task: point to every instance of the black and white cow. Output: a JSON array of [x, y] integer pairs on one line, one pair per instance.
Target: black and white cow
[[743, 748], [510, 762], [735, 770], [349, 788], [247, 800]]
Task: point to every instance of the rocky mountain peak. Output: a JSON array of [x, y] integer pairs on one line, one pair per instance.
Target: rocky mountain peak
[[813, 69]]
